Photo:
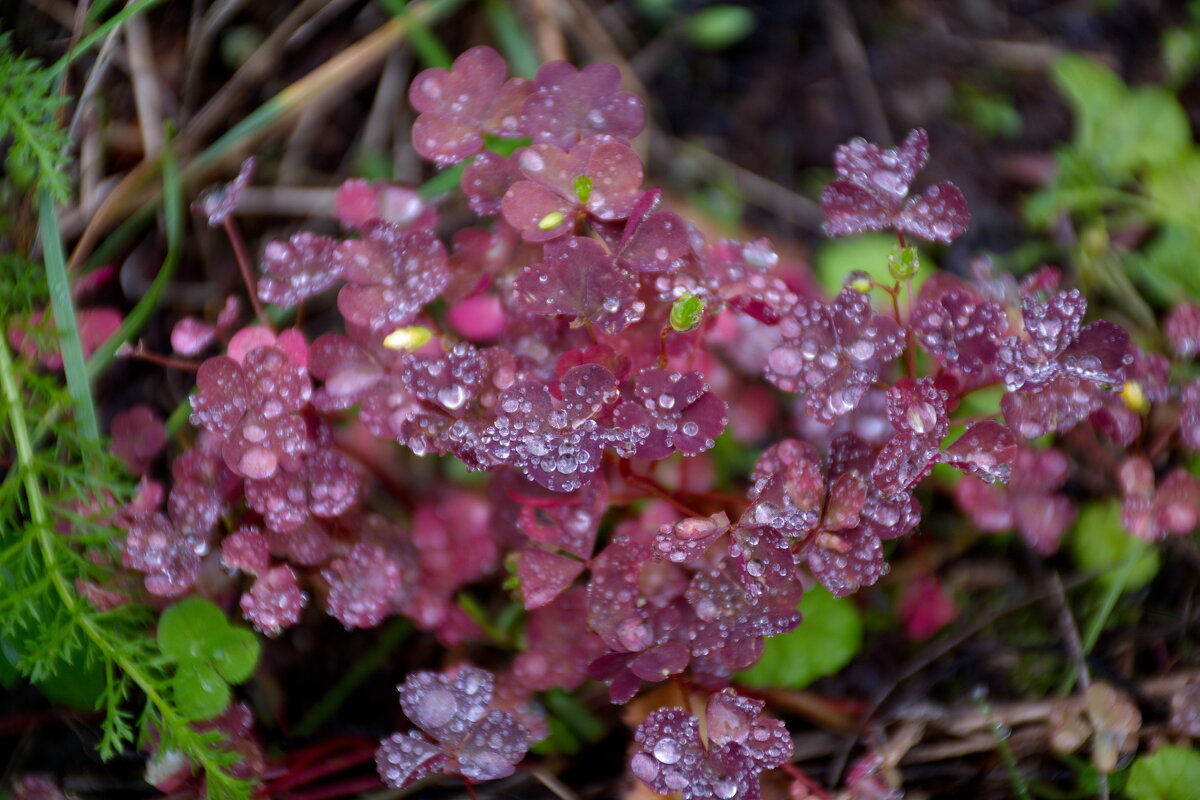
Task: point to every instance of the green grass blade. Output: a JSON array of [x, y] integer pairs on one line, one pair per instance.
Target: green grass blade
[[135, 320], [64, 317], [102, 30], [517, 48], [428, 47]]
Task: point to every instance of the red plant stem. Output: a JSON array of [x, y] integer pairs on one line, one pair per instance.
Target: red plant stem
[[651, 487], [910, 343], [243, 262], [1163, 439], [353, 787], [163, 361], [799, 776], [300, 777], [662, 346], [470, 788]]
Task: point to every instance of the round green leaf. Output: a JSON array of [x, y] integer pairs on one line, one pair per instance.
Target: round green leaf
[[1173, 773], [829, 635], [200, 692], [720, 26], [1100, 543], [187, 629], [235, 653]]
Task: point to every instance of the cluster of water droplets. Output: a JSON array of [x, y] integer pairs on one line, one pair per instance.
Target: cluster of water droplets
[[468, 738], [459, 104], [741, 745], [688, 539], [391, 274], [274, 601], [558, 446], [296, 269], [960, 327], [833, 352], [566, 106]]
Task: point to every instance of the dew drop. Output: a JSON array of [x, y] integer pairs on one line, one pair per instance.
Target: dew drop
[[667, 751]]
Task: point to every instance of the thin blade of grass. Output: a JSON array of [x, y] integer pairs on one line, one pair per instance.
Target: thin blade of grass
[[64, 317], [139, 188], [135, 320], [86, 43], [428, 47], [518, 50]]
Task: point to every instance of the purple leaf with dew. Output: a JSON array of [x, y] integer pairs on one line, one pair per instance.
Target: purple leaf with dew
[[832, 354], [939, 214], [361, 585], [669, 750], [1182, 328], [577, 279], [297, 269], [219, 202], [687, 539], [405, 758], [246, 549], [275, 601], [391, 274], [568, 105], [486, 180], [986, 449], [679, 410], [459, 104], [598, 177], [917, 410]]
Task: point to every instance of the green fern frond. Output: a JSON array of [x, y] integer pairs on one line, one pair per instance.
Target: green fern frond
[[38, 153], [55, 528]]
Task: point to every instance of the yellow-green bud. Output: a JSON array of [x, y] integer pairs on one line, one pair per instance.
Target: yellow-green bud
[[551, 220], [410, 338]]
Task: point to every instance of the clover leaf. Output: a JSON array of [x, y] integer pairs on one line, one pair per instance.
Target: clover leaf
[[209, 653]]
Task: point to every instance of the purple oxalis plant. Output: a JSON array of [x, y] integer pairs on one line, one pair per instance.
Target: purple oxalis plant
[[587, 351]]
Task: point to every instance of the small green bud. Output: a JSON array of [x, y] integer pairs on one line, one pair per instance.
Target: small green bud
[[859, 281], [687, 313], [904, 262], [583, 188], [551, 220]]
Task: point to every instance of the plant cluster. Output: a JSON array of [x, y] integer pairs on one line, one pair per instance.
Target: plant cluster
[[586, 349]]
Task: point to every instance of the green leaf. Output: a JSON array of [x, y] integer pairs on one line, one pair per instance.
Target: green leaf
[[1121, 129], [1173, 773], [720, 26], [1100, 543], [187, 631], [1175, 190], [200, 692], [829, 635], [235, 653]]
